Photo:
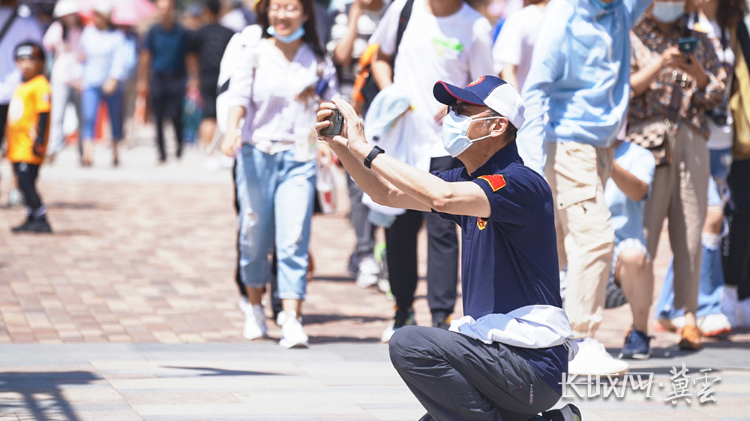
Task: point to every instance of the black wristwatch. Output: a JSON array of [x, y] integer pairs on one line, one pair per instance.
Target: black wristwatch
[[375, 152]]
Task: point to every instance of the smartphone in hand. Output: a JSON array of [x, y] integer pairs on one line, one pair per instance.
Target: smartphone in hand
[[687, 45], [337, 123]]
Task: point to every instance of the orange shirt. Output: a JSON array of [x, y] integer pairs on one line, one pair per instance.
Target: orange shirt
[[30, 99]]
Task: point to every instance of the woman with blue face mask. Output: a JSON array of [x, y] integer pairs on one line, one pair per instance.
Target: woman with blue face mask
[[676, 76], [276, 89]]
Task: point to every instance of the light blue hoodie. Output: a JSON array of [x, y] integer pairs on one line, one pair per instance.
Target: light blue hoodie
[[579, 85]]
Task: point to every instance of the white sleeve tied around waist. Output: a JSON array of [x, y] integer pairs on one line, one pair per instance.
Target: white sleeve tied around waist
[[534, 327]]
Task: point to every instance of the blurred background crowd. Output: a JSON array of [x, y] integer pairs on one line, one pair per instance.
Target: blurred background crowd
[[247, 78]]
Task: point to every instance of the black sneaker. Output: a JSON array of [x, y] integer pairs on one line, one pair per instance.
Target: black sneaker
[[568, 412], [25, 227], [637, 346], [441, 320], [401, 319]]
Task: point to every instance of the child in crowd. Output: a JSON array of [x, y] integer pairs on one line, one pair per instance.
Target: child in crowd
[[28, 132]]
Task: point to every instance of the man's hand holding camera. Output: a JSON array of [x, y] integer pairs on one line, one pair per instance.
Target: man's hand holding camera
[[352, 135]]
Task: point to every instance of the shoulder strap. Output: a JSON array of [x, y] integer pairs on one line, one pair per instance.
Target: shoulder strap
[[402, 22], [8, 24]]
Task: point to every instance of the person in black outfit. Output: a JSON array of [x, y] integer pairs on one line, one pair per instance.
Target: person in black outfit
[[208, 44], [163, 67]]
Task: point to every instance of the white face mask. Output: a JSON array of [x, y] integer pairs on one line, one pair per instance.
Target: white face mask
[[455, 127], [668, 11]]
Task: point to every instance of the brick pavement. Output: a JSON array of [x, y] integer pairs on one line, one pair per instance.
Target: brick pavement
[[144, 254]]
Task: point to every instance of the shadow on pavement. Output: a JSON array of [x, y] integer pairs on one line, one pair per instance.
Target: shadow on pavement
[[66, 205], [311, 319], [39, 395], [212, 372], [317, 340]]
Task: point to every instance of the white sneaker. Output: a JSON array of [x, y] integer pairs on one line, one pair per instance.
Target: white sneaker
[[368, 272], [593, 359], [729, 304], [714, 324], [244, 304], [292, 334], [255, 322]]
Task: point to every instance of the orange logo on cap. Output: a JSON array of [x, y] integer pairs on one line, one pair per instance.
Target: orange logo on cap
[[476, 82]]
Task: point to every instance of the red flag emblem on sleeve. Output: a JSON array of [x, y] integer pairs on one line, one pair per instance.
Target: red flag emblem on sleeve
[[496, 181]]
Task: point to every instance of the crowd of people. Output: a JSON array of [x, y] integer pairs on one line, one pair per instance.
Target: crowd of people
[[635, 112], [628, 129]]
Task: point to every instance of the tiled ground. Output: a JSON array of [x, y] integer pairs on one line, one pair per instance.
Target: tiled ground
[[105, 319]]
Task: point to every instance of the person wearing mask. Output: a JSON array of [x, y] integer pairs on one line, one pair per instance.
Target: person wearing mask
[[209, 43], [515, 44], [105, 67], [489, 366], [576, 97], [444, 40], [14, 29], [275, 87], [715, 18], [353, 26], [682, 88], [63, 40], [162, 71]]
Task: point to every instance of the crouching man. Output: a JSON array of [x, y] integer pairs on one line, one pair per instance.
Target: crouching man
[[504, 360]]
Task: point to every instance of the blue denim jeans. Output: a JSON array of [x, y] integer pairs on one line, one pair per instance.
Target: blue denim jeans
[[90, 103], [276, 197]]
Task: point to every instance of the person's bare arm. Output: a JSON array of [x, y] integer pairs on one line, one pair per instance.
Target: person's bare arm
[[510, 75], [232, 141], [633, 187], [342, 54], [144, 64], [382, 69], [394, 183], [641, 80], [193, 69]]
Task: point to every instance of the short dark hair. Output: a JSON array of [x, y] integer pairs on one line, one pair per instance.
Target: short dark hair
[[213, 6], [510, 133], [37, 50]]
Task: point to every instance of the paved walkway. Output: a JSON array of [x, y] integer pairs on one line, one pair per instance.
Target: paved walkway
[[130, 312]]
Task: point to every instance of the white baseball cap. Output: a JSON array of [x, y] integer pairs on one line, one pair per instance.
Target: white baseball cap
[[490, 91]]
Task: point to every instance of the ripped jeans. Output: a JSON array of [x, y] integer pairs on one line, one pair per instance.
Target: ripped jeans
[[275, 195]]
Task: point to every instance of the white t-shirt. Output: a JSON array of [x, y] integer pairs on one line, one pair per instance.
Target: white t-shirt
[[456, 49], [515, 43], [721, 136]]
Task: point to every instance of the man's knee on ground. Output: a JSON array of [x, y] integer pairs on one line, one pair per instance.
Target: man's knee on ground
[[403, 343]]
